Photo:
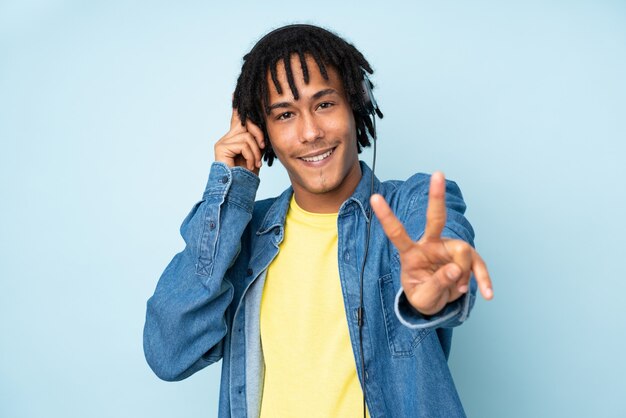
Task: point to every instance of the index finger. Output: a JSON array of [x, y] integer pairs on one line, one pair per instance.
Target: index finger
[[256, 132], [235, 121], [436, 212], [391, 224]]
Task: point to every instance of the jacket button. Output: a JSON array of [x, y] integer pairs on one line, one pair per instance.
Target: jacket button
[[212, 225], [276, 231], [249, 272], [225, 179]]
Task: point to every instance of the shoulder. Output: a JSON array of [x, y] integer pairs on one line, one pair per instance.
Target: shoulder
[[402, 195], [409, 201], [413, 192]]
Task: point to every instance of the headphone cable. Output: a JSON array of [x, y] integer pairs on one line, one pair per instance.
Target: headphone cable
[[367, 241]]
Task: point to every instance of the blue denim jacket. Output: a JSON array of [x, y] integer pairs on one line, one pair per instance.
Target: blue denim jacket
[[206, 304]]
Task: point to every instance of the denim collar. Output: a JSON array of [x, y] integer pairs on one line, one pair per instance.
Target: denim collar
[[275, 216]]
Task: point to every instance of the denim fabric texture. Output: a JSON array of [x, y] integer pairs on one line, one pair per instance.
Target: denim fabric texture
[[206, 304]]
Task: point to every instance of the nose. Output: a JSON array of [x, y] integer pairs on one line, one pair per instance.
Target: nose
[[311, 130]]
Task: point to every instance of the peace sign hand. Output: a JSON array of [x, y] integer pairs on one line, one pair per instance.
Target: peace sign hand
[[434, 270]]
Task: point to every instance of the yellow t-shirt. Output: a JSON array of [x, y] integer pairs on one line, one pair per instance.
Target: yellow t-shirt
[[310, 369]]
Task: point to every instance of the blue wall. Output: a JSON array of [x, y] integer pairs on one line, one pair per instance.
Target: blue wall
[[108, 115]]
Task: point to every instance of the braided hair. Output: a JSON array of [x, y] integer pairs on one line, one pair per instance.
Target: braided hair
[[251, 97]]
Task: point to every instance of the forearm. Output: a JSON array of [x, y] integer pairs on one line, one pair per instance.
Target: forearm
[[186, 318]]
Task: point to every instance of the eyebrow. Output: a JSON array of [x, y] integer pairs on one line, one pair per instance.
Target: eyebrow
[[316, 96]]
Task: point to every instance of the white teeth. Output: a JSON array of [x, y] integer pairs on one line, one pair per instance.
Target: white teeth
[[319, 157]]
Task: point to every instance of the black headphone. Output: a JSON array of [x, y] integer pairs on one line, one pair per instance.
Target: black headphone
[[368, 96]]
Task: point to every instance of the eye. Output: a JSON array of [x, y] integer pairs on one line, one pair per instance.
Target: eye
[[325, 105], [284, 115]]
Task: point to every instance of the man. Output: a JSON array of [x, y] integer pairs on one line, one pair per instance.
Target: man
[[273, 288]]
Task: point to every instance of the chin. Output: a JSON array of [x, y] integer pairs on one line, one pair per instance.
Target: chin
[[321, 187]]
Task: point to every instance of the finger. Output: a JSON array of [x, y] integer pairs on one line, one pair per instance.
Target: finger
[[248, 154], [238, 150], [482, 276], [462, 254], [436, 212], [235, 122], [231, 149], [438, 289], [459, 286], [462, 285], [391, 225], [450, 277], [254, 147], [256, 132]]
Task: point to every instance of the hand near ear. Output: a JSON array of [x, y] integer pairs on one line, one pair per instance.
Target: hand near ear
[[241, 146], [434, 270]]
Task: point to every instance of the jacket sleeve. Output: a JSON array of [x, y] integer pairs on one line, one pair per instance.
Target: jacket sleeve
[[457, 227], [186, 318]]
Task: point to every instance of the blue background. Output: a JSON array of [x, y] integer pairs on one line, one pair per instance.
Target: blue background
[[108, 115]]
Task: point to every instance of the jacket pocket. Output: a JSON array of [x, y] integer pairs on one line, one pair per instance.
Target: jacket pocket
[[402, 340]]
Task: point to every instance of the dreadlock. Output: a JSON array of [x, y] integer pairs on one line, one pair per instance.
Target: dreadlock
[[251, 97]]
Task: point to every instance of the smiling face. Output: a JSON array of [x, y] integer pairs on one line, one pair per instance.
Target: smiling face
[[314, 137]]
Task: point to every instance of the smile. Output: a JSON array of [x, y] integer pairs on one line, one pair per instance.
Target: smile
[[320, 157]]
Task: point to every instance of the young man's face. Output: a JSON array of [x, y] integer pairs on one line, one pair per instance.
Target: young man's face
[[314, 137]]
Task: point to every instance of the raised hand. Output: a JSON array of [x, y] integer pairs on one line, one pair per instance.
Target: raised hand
[[434, 270], [241, 146]]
